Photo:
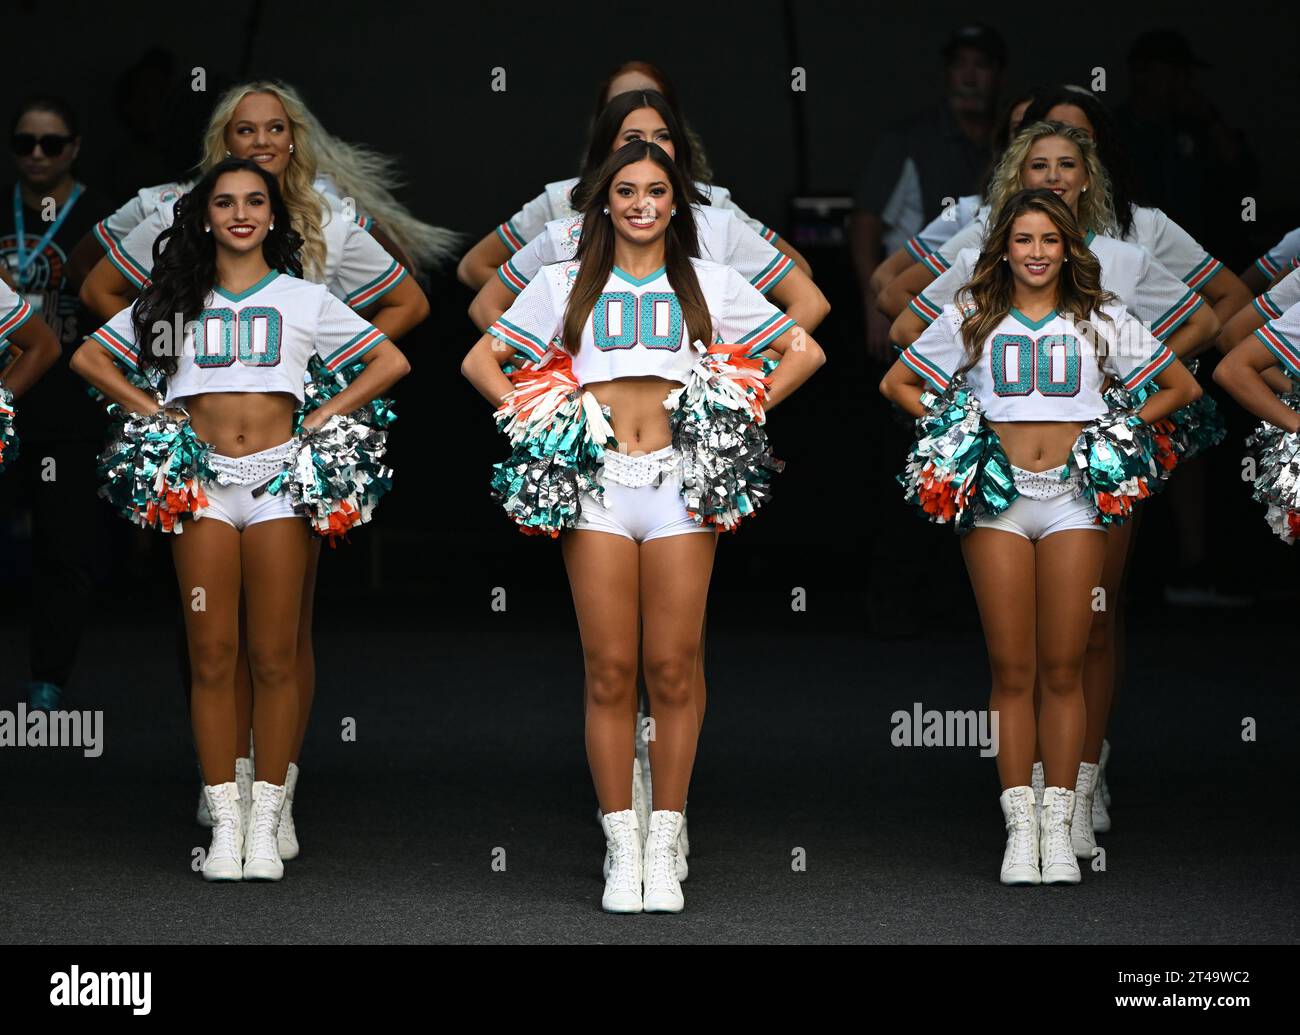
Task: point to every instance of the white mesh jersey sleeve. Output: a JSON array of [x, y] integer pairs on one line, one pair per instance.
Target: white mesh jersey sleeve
[[531, 220], [1173, 247], [741, 247], [937, 354], [14, 311], [969, 236], [342, 336], [118, 339], [1276, 301], [532, 322], [364, 272], [1273, 261], [557, 242], [133, 255], [746, 317], [943, 290], [1133, 354], [1282, 338]]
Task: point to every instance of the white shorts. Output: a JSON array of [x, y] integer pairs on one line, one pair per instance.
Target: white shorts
[[1046, 505], [643, 498], [245, 500]]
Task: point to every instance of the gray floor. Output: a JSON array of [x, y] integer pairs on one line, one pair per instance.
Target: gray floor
[[468, 743]]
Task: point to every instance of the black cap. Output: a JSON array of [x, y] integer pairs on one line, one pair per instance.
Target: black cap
[[978, 37], [1167, 45]]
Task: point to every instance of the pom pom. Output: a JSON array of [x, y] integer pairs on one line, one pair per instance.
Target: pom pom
[[335, 476], [716, 420], [1187, 432], [8, 436], [957, 472], [1115, 452], [153, 470], [557, 434], [321, 384], [1276, 454]]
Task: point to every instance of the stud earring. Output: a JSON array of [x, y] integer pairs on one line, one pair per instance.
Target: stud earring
[[227, 154], [1084, 191], [290, 149], [606, 210], [1067, 258], [207, 229], [272, 226], [674, 212], [1004, 258]]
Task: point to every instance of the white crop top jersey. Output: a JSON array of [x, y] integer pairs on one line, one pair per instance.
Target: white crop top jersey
[[1276, 301], [14, 311], [555, 203], [1169, 244], [1276, 259], [636, 328], [722, 237], [942, 227], [1041, 369], [116, 225], [1281, 336], [257, 341], [1148, 290], [357, 269]]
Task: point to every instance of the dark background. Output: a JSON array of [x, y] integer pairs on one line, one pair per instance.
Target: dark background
[[472, 718]]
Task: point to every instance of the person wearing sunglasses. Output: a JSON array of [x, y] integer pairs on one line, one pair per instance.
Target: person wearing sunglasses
[[44, 212]]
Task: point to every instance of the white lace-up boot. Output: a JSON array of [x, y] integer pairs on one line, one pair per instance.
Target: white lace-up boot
[[286, 835], [663, 891], [1020, 860], [623, 859], [244, 777], [1101, 797], [1037, 781], [223, 859], [683, 848], [1081, 835], [1055, 852], [261, 851], [202, 815]]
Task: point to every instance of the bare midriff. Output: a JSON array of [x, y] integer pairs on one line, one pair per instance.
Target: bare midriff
[[637, 414], [1037, 445], [239, 423]]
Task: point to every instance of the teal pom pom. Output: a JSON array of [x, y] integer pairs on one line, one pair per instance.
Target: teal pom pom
[[957, 471]]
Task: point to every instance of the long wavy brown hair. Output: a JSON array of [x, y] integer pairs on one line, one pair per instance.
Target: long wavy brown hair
[[988, 296], [596, 247]]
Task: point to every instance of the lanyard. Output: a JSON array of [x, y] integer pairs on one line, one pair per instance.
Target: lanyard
[[24, 258]]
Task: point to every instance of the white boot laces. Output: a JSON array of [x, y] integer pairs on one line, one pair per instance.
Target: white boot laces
[[264, 826], [623, 846], [225, 820], [1022, 841], [663, 856], [1058, 830]]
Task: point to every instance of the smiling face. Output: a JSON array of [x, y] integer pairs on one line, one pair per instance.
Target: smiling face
[[640, 202], [260, 130], [1035, 250], [239, 211], [1055, 164], [38, 169], [645, 124]]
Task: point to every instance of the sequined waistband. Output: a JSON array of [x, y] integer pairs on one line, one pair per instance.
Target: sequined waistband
[[251, 469], [641, 469], [1046, 485]]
